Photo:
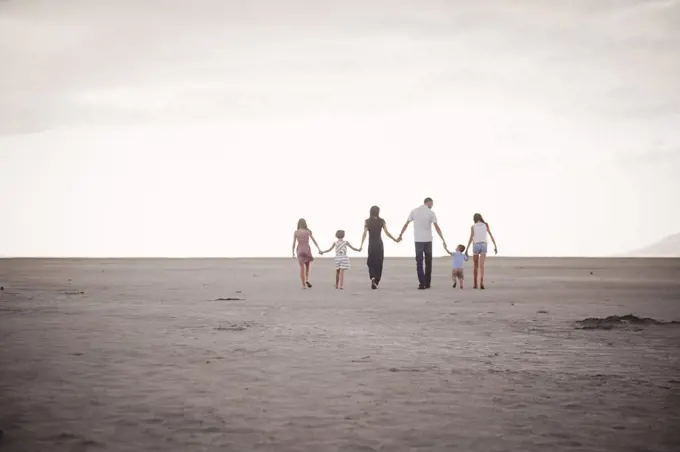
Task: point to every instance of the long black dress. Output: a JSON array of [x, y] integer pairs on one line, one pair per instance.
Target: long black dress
[[376, 250]]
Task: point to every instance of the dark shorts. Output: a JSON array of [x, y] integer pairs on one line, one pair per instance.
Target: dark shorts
[[457, 273]]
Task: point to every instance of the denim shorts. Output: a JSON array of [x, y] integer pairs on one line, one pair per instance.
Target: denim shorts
[[479, 248]]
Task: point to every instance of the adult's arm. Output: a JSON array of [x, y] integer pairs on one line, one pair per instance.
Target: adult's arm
[[314, 240], [408, 220], [437, 228], [387, 233], [495, 248], [439, 233], [467, 248], [403, 230], [294, 240]]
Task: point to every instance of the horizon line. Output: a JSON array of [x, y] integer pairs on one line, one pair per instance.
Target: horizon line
[[319, 257]]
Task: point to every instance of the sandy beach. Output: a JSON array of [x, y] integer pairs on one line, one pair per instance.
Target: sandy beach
[[208, 354]]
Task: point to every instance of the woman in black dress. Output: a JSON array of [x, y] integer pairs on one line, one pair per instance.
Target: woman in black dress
[[374, 226]]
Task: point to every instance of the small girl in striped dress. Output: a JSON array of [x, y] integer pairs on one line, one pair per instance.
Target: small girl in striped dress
[[341, 258]]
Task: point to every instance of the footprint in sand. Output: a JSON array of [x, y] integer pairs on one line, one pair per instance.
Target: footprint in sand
[[607, 323]]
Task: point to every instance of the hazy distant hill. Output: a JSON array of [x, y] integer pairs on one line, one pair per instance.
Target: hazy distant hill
[[668, 247]]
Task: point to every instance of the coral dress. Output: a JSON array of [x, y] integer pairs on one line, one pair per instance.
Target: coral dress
[[304, 252]]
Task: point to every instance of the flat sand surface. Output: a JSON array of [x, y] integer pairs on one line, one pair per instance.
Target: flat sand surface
[[138, 355]]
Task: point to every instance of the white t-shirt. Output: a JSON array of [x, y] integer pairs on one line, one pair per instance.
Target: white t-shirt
[[423, 217], [479, 230]]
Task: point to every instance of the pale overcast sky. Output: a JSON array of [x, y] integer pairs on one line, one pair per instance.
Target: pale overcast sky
[[207, 128]]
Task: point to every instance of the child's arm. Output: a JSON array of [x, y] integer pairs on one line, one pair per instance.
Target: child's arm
[[294, 241], [328, 250], [314, 240], [495, 248], [447, 250], [472, 232], [350, 245]]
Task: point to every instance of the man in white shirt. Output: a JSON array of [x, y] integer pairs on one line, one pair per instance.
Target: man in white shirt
[[423, 218]]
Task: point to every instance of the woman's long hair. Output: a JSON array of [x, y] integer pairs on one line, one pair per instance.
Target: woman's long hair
[[373, 216], [477, 218], [302, 224]]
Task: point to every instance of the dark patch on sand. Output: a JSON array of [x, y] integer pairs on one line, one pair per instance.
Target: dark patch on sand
[[607, 323], [235, 326], [229, 299], [65, 435], [413, 369], [363, 359], [74, 293]]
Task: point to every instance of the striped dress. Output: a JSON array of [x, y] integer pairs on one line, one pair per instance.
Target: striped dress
[[341, 258]]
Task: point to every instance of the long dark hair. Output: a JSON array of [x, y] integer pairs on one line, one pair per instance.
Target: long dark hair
[[373, 216], [477, 218], [302, 224]]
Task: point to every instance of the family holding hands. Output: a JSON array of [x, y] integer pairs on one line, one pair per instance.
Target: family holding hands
[[423, 218]]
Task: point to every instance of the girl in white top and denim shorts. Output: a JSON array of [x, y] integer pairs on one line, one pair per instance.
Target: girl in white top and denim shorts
[[478, 238]]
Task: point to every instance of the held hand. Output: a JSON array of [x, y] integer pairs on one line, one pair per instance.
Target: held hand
[[495, 251], [320, 253], [444, 243]]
